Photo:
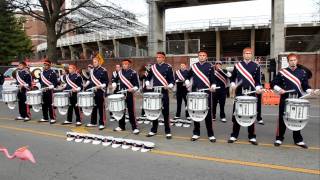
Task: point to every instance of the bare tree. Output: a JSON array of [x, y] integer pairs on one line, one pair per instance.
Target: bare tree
[[58, 18]]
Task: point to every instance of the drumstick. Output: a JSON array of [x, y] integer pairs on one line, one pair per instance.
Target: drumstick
[[289, 91], [206, 89]]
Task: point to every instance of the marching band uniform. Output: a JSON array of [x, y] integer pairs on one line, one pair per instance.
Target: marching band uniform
[[98, 77], [203, 78], [128, 79], [219, 96], [249, 74], [24, 80], [115, 79], [181, 93], [144, 89], [73, 82], [48, 80], [162, 75], [288, 79]]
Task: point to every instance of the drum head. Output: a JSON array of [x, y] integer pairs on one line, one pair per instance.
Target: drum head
[[151, 94], [34, 92], [116, 96], [246, 98]]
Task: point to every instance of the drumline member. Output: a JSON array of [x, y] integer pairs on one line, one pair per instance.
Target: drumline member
[[98, 81], [181, 89], [259, 97], [48, 81], [202, 74], [162, 75], [248, 73], [219, 96], [143, 73], [290, 78], [74, 83], [128, 80], [24, 81], [114, 79]]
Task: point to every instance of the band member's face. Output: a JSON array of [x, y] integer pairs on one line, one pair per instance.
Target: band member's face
[[21, 66], [202, 56], [183, 66], [118, 67], [293, 61], [125, 65], [218, 66], [72, 69], [160, 58], [247, 55], [46, 66], [95, 62]]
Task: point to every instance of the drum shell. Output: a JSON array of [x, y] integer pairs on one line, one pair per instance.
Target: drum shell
[[197, 105], [152, 105], [296, 113], [85, 99], [34, 97], [10, 94], [61, 99], [116, 103]]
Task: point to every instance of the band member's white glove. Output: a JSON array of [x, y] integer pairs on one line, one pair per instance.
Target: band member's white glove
[[170, 86], [135, 88], [278, 89], [213, 87], [228, 74], [147, 84], [310, 91], [50, 87], [233, 85], [114, 85], [187, 83], [26, 85], [258, 89]]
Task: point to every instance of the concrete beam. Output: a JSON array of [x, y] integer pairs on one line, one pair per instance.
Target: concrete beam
[[101, 48], [277, 28], [186, 43], [63, 53], [253, 40], [137, 43], [218, 45], [73, 55], [156, 31], [116, 47], [85, 49]]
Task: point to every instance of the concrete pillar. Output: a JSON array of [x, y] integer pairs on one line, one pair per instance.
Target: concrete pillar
[[137, 42], [218, 45], [253, 40], [277, 28], [186, 43], [102, 48], [156, 31], [116, 48], [72, 53], [85, 49], [63, 53]]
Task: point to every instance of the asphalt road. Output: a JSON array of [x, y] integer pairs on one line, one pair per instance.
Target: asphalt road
[[177, 158]]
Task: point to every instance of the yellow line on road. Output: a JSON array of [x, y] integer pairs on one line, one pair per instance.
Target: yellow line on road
[[85, 130], [191, 156]]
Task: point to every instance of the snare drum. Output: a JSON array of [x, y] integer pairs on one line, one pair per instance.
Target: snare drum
[[86, 102], [61, 99], [34, 97], [9, 96], [152, 105], [117, 105], [245, 110], [197, 105], [296, 113]]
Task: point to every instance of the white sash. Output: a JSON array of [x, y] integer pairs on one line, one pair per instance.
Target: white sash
[[245, 74], [291, 78], [20, 80], [45, 80], [201, 76], [180, 76], [158, 75], [72, 84], [94, 79], [125, 80], [220, 76]]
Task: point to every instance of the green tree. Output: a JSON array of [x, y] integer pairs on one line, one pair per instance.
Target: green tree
[[14, 43]]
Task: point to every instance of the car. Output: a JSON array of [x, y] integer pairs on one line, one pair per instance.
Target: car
[[35, 69]]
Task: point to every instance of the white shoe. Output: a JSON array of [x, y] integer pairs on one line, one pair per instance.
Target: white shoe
[[212, 139], [67, 122], [223, 120], [253, 141], [232, 139], [117, 129], [150, 134], [19, 118], [91, 125], [277, 143], [43, 120], [52, 121], [169, 136], [101, 127], [136, 131], [26, 119], [195, 137], [78, 123]]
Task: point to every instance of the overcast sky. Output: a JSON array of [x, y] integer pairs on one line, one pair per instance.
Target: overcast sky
[[238, 9]]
